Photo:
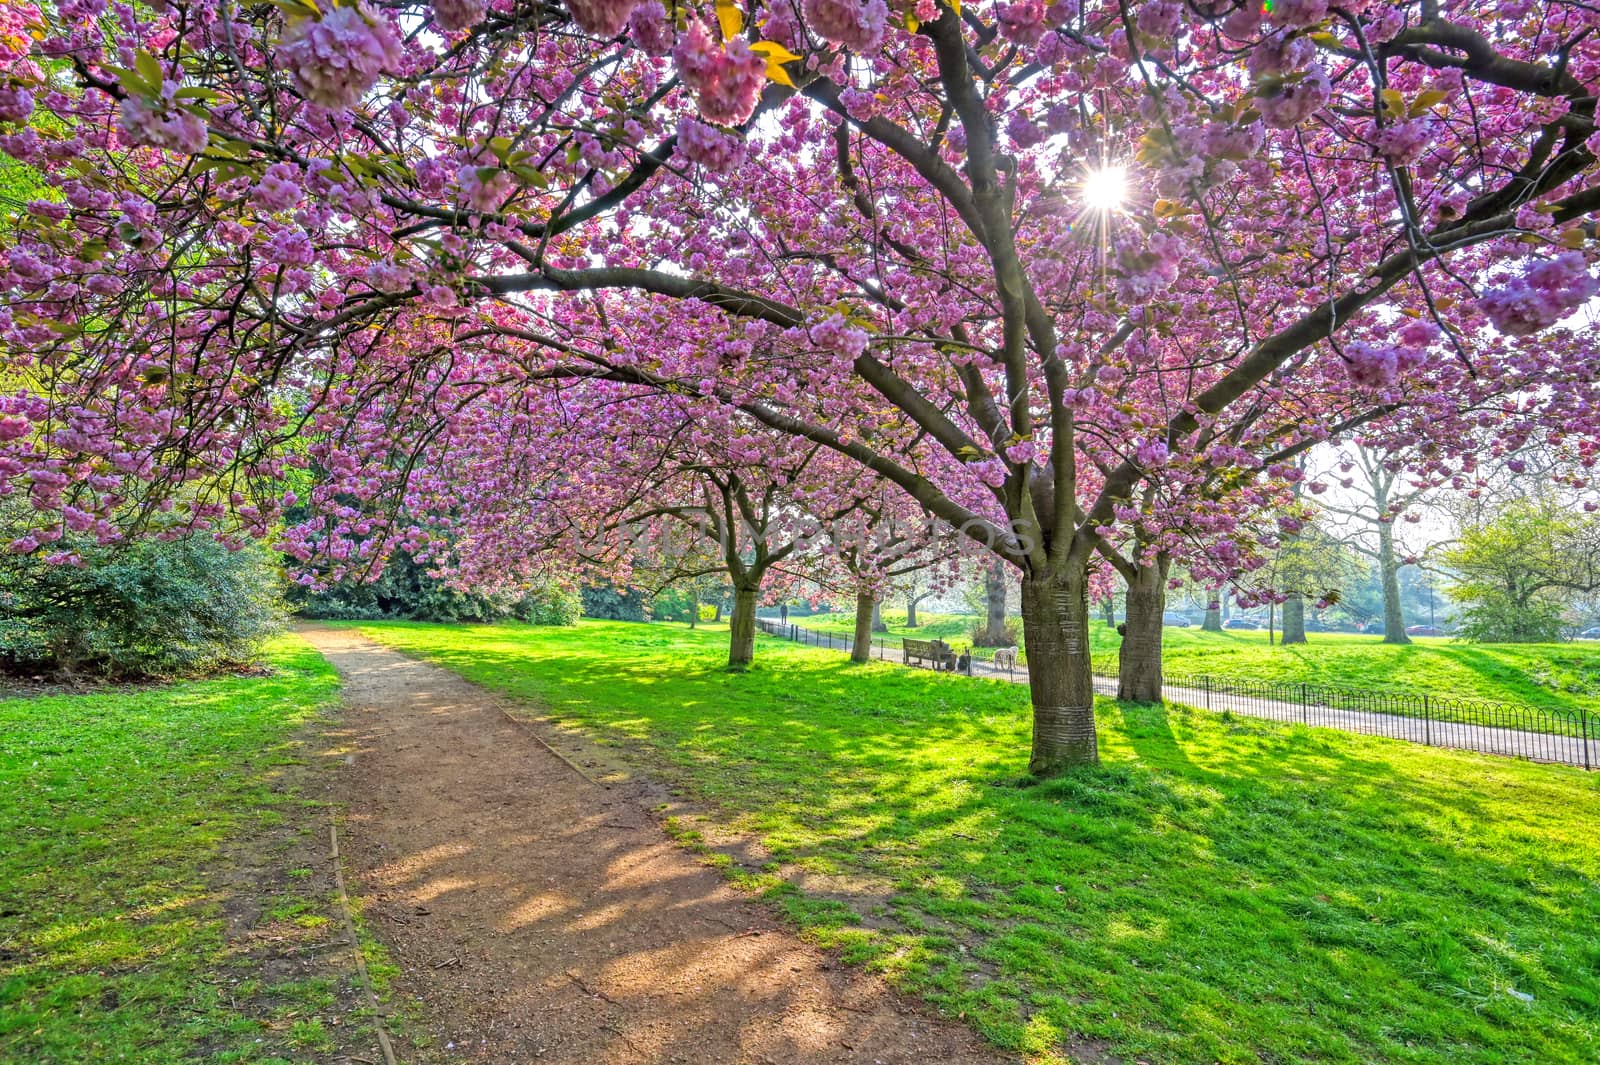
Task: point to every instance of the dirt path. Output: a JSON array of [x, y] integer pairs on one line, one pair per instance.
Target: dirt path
[[539, 917]]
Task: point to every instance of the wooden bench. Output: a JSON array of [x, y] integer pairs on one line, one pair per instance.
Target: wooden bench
[[936, 653]]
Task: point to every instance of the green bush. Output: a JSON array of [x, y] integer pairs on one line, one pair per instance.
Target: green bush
[[142, 609], [408, 591]]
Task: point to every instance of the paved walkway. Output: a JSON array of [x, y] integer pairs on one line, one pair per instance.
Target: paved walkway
[[1486, 739], [535, 915]]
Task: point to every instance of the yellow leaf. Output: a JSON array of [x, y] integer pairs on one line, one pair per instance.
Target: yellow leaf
[[911, 22], [775, 72], [730, 18], [1574, 238], [1427, 99], [774, 50], [1394, 104]]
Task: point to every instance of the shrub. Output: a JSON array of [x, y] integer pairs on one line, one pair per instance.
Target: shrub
[[143, 609], [407, 590], [610, 603]]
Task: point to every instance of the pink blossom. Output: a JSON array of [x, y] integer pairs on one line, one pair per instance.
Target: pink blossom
[[1552, 289], [388, 278], [1022, 21], [16, 104], [834, 334], [335, 59], [1402, 143], [279, 188], [726, 80], [483, 188], [1152, 453], [650, 29], [849, 23], [1289, 103], [604, 18], [163, 123], [713, 149], [1371, 365], [454, 15]]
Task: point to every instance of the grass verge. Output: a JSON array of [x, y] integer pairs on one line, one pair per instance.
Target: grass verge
[[164, 889]]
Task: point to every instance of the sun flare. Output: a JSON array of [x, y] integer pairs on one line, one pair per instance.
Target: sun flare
[[1105, 189]]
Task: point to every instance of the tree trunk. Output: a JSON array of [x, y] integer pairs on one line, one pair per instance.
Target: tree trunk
[[994, 595], [1139, 658], [1108, 611], [742, 628], [1294, 619], [718, 616], [694, 608], [866, 608], [1213, 620], [911, 609], [877, 617], [1394, 622], [1055, 619]]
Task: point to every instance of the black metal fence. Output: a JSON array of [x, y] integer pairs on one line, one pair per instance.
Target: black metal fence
[[1519, 730]]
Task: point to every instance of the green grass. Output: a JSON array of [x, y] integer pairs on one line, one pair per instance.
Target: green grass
[[114, 808], [1564, 675], [1216, 891]]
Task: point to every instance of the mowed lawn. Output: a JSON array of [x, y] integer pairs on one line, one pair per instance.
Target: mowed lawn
[[1565, 675], [1216, 891], [114, 810]]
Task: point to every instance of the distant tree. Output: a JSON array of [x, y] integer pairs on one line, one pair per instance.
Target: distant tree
[[1382, 495], [1519, 570]]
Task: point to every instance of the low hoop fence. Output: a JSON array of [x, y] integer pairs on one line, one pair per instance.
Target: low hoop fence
[[1518, 730]]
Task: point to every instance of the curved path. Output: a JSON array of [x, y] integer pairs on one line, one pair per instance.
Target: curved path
[[537, 916]]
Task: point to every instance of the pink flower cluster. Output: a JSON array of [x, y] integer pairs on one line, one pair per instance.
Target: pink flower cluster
[[649, 28], [1290, 103], [604, 18], [1402, 143], [278, 189], [1372, 365], [337, 58], [483, 188], [1022, 21], [835, 334], [1550, 291], [162, 123], [850, 23], [709, 146], [16, 104], [726, 80], [454, 15], [388, 278]]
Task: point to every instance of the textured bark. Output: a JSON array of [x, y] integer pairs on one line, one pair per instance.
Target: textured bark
[[994, 595], [877, 617], [866, 614], [718, 617], [742, 627], [1213, 620], [694, 609], [1055, 616], [1294, 619], [1394, 620], [1139, 657], [1108, 612]]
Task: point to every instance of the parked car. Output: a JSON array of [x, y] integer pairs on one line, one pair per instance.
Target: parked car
[[1176, 621], [1590, 633], [1424, 630], [1374, 628], [1241, 623]]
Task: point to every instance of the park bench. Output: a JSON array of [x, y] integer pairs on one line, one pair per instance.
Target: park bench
[[936, 653]]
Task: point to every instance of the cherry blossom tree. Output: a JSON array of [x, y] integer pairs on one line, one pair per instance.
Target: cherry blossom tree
[[1021, 261]]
